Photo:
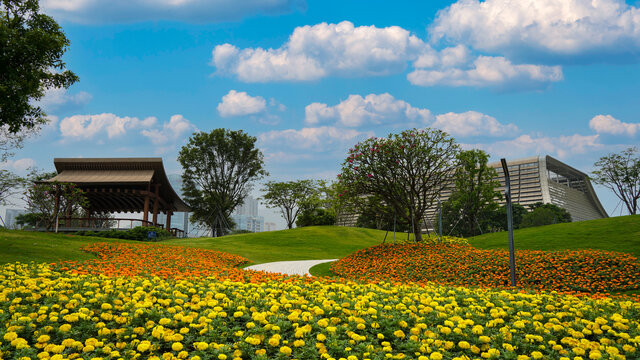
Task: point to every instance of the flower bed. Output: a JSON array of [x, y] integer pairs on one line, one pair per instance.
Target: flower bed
[[52, 314], [581, 271]]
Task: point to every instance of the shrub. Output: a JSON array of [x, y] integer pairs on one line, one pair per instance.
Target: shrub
[[139, 233], [316, 217], [545, 214]]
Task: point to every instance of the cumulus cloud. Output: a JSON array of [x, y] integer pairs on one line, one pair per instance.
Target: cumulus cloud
[[527, 145], [201, 11], [59, 98], [372, 109], [488, 71], [88, 126], [472, 123], [317, 51], [607, 124], [317, 138], [528, 29], [20, 165], [240, 103], [170, 131]]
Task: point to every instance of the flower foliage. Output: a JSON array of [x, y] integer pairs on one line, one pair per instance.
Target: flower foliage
[[578, 271], [51, 314]]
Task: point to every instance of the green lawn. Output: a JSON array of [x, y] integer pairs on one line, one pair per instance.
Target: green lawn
[[308, 243], [321, 242], [25, 246], [617, 234]]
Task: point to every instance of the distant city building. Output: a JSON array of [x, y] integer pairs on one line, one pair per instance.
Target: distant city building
[[10, 218], [246, 216], [270, 226]]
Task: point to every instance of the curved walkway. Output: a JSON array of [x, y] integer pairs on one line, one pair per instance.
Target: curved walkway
[[300, 267]]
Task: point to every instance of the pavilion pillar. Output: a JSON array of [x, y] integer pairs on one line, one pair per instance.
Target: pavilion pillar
[[155, 205], [145, 215], [169, 213]]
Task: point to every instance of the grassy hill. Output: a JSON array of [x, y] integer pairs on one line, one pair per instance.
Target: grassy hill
[[617, 234], [308, 243], [25, 246], [323, 242]]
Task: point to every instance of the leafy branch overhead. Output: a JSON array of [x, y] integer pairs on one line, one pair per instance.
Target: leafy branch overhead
[[31, 49]]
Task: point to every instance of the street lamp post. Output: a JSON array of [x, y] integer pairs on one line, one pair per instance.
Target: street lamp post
[[507, 194]]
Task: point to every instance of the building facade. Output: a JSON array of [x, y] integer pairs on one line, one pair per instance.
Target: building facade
[[536, 179], [246, 216]]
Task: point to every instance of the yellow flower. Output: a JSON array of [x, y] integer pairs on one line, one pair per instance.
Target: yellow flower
[[399, 333], [285, 350], [464, 345], [435, 356], [176, 346]]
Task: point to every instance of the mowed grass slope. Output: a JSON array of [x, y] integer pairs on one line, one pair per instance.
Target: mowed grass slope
[[308, 243], [318, 242], [614, 234], [25, 246]]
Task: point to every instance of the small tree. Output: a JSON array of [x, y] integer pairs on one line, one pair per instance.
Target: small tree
[[474, 196], [407, 171], [620, 173], [10, 184], [51, 200], [290, 197], [32, 46], [218, 170], [499, 217]]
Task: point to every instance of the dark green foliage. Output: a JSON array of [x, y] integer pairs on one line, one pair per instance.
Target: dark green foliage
[[545, 214], [219, 167], [374, 214], [240, 231], [470, 208], [139, 233], [499, 217], [28, 219], [31, 49], [315, 217]]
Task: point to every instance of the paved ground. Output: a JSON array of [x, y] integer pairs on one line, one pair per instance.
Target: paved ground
[[300, 267]]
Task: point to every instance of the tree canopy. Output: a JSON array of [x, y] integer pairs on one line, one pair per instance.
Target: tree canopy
[[219, 168], [469, 210], [290, 197], [31, 49], [406, 170], [620, 173]]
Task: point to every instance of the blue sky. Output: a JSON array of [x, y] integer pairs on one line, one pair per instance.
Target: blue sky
[[311, 78]]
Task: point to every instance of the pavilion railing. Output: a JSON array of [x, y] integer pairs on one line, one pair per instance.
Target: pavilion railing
[[68, 224]]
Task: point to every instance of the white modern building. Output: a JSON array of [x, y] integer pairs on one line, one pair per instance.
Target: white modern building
[[538, 179]]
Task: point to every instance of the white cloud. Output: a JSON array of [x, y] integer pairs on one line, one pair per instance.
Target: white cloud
[[472, 123], [607, 124], [118, 11], [59, 98], [490, 71], [240, 103], [526, 145], [372, 109], [88, 126], [170, 131], [530, 29], [317, 138], [313, 52], [20, 165]]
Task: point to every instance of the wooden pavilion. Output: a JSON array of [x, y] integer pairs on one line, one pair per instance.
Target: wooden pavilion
[[122, 185]]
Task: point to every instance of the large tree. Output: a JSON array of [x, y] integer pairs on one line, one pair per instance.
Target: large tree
[[31, 49], [620, 173], [290, 197], [473, 200], [219, 168], [407, 171]]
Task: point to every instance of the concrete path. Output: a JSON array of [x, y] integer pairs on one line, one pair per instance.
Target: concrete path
[[300, 267]]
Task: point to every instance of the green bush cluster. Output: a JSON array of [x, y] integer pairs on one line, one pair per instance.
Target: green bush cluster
[[139, 233]]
